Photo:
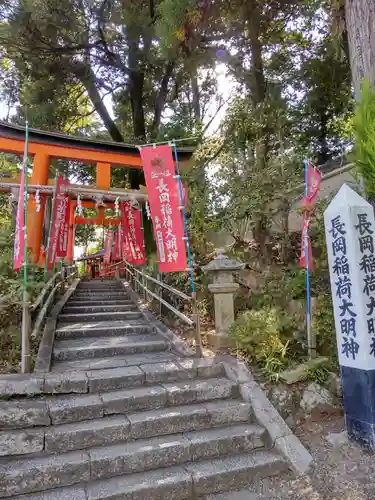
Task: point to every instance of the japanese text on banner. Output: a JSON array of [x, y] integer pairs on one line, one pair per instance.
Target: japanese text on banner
[[62, 243], [108, 247], [164, 200], [58, 220], [133, 231], [314, 179], [117, 252]]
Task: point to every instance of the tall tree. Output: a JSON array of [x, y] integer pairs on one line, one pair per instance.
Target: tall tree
[[360, 25]]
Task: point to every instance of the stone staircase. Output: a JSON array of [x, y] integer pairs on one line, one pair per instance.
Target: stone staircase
[[120, 416]]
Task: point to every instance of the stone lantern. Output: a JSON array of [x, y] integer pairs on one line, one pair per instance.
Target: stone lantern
[[223, 287]]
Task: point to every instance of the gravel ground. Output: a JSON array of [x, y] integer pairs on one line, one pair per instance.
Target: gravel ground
[[342, 471]]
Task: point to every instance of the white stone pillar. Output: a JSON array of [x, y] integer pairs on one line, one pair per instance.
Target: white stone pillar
[[350, 234]]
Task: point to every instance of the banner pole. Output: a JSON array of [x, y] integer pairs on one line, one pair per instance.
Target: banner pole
[[310, 348], [49, 230], [25, 339], [190, 261]]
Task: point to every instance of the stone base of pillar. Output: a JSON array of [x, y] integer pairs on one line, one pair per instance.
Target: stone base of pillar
[[219, 341]]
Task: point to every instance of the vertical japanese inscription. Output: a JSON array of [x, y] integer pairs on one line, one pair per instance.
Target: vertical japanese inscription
[[365, 235], [343, 289]]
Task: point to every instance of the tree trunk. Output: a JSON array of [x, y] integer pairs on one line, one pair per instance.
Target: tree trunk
[[136, 82], [161, 98], [88, 79], [136, 86], [258, 89], [360, 25]]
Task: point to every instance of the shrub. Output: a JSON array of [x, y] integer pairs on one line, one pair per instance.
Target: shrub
[[265, 337], [323, 325]]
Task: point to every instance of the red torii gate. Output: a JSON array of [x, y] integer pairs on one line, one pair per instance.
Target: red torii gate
[[45, 146]]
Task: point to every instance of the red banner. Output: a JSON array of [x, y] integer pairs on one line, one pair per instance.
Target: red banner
[[132, 223], [58, 220], [19, 238], [62, 242], [126, 249], [305, 231], [314, 179], [117, 252], [108, 247], [164, 200]]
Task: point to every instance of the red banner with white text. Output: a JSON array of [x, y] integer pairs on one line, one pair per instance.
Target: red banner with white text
[[58, 220], [126, 249], [19, 238], [132, 222], [62, 242], [108, 242], [164, 200], [117, 251], [314, 179]]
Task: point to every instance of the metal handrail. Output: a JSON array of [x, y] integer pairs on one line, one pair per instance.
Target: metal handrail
[[135, 273], [164, 285], [178, 313]]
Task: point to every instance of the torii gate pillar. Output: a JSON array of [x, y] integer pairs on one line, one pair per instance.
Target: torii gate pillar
[[39, 176]]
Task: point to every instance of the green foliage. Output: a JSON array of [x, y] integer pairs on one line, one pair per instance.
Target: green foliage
[[318, 374], [364, 131], [172, 15], [323, 325], [265, 337], [11, 287]]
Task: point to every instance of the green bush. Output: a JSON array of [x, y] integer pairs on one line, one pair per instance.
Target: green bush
[[265, 337], [323, 325], [318, 374]]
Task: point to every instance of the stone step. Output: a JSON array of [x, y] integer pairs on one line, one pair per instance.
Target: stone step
[[89, 297], [232, 472], [99, 289], [76, 408], [82, 382], [93, 286], [38, 474], [96, 317], [88, 309], [102, 286], [113, 362], [97, 430], [245, 494], [99, 302], [103, 329], [100, 293], [99, 284], [176, 483], [91, 347], [155, 373]]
